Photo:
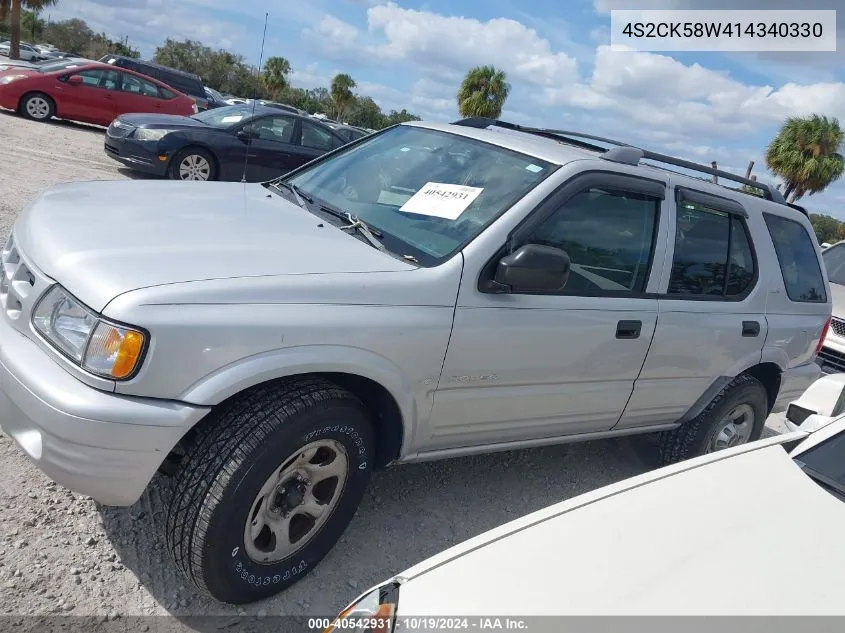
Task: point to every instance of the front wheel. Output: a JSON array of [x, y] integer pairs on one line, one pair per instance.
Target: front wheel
[[270, 484], [734, 417], [192, 163], [37, 106]]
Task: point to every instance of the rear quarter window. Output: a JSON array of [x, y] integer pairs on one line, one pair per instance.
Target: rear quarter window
[[799, 265]]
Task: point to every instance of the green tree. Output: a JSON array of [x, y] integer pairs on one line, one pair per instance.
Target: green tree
[[32, 25], [805, 153], [365, 113], [483, 92], [399, 117], [275, 75], [13, 9], [341, 92], [826, 227]]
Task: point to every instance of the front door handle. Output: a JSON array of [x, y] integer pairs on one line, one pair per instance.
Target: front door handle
[[628, 329], [750, 328]]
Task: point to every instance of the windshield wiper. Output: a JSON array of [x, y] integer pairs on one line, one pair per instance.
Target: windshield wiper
[[366, 231], [298, 194]]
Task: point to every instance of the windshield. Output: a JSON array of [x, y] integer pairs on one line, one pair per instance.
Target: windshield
[[53, 66], [834, 262], [431, 192], [824, 463], [225, 116]]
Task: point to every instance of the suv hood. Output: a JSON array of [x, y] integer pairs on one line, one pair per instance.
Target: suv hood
[[101, 239]]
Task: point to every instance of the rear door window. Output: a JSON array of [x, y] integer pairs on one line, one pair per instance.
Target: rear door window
[[139, 86], [713, 256], [796, 255], [316, 137]]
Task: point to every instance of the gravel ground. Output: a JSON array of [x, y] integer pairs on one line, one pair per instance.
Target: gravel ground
[[61, 553]]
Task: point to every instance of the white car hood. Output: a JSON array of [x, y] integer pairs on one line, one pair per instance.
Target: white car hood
[[746, 535], [101, 239]]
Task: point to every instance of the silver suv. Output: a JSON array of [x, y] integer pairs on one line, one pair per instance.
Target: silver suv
[[428, 291]]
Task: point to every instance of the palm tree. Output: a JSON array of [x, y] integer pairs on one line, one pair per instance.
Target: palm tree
[[32, 24], [805, 153], [341, 91], [483, 92], [13, 8], [275, 76]]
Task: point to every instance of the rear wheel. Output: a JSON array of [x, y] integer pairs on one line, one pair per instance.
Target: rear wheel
[[269, 485], [37, 106], [193, 163], [734, 417]]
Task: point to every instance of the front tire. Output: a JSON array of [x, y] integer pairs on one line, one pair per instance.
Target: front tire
[[734, 417], [37, 106], [271, 481], [193, 163]]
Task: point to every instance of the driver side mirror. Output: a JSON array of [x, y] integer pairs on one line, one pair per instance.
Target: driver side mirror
[[532, 268], [75, 80], [246, 133]]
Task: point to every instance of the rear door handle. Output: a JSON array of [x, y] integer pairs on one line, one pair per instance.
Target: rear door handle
[[628, 329], [750, 328]]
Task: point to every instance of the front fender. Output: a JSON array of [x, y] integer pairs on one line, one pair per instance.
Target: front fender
[[253, 370]]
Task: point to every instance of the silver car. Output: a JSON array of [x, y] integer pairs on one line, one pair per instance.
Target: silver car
[[430, 291]]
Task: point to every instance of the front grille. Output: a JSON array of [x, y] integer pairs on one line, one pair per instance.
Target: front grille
[[838, 326], [20, 285], [832, 359]]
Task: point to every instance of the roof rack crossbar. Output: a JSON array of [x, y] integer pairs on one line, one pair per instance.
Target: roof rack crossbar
[[613, 154]]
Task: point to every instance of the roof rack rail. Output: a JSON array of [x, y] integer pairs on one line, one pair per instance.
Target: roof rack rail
[[628, 154]]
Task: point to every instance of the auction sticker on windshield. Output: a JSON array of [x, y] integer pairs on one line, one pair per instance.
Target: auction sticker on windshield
[[441, 200]]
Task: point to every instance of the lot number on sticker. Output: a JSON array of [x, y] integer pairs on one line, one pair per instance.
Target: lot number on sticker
[[441, 200]]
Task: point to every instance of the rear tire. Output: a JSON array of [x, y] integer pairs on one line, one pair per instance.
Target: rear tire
[[193, 163], [37, 106], [251, 482], [734, 417]]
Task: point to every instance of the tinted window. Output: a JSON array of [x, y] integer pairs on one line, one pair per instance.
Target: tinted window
[[713, 255], [108, 79], [796, 253], [316, 137], [166, 94], [834, 262], [274, 128], [136, 85], [823, 462], [608, 235]]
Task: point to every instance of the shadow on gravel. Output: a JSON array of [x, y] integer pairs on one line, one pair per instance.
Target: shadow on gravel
[[409, 513], [136, 175]]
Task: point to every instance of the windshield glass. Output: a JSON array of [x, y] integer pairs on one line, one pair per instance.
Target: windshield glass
[[225, 116], [834, 262], [824, 463], [430, 191], [54, 66]]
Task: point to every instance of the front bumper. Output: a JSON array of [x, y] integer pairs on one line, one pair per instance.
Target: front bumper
[[139, 155], [794, 382], [95, 443]]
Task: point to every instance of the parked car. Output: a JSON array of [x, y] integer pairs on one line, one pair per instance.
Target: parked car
[[349, 132], [89, 92], [236, 100], [271, 344], [185, 82], [220, 144], [822, 403], [649, 545], [832, 355], [281, 106], [26, 52], [214, 99]]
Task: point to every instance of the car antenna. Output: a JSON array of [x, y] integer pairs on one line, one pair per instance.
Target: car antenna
[[255, 93]]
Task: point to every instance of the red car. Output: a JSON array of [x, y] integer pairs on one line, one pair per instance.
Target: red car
[[90, 92]]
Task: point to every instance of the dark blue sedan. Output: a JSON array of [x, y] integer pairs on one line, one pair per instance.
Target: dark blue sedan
[[217, 144]]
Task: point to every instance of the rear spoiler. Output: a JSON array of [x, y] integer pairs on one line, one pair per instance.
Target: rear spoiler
[[798, 208]]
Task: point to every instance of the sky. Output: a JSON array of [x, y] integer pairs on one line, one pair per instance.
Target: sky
[[556, 53]]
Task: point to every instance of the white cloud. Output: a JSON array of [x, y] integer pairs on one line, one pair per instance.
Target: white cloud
[[336, 32], [459, 43]]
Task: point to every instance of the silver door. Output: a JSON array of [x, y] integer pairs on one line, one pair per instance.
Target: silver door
[[524, 366]]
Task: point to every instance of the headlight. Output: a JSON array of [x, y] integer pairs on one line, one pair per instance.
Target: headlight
[[144, 134], [9, 79], [374, 612], [105, 349]]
